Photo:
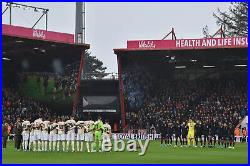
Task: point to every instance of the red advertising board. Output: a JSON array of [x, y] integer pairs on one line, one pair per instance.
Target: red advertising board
[[204, 43], [37, 34]]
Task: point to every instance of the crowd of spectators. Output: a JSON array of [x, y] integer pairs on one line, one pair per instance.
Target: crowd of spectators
[[149, 100], [135, 91], [14, 106]]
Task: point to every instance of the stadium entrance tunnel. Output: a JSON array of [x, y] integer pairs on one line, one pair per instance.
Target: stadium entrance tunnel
[[41, 65], [143, 72]]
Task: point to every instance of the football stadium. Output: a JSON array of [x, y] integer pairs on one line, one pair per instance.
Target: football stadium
[[181, 101]]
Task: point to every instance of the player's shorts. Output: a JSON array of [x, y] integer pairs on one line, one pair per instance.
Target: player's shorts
[[52, 137], [168, 135], [210, 137], [225, 138], [32, 137], [191, 135], [197, 135], [177, 136], [80, 137], [37, 135], [231, 138], [205, 136], [70, 136], [183, 136], [106, 137], [220, 137], [45, 136], [61, 137], [98, 135], [89, 137], [25, 135], [163, 135]]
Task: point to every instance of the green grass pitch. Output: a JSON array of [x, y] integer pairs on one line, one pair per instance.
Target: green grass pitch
[[154, 154]]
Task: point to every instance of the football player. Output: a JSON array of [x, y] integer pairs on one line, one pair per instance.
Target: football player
[[80, 135], [89, 137], [61, 135], [53, 135], [45, 135], [37, 134], [25, 134], [107, 134], [70, 124]]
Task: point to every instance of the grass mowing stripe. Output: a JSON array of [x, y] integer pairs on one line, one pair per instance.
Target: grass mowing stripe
[[154, 154]]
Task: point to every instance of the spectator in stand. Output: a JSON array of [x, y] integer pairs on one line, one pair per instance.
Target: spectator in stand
[[16, 106]]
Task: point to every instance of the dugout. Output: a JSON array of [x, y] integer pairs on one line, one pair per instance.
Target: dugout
[[183, 59], [38, 51]]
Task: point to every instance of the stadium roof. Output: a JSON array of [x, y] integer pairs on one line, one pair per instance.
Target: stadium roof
[[185, 44], [189, 53], [38, 49]]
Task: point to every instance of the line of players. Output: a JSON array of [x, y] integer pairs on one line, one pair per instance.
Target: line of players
[[195, 133], [59, 135]]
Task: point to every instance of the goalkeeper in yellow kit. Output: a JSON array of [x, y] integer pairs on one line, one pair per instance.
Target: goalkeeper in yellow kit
[[191, 125]]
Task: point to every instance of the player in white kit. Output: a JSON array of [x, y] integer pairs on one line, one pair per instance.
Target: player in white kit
[[53, 135], [89, 137], [107, 134], [61, 135], [37, 135], [70, 124], [80, 135], [45, 135], [31, 138], [25, 134]]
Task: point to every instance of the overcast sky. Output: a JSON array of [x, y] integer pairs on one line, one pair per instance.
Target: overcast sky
[[110, 25]]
